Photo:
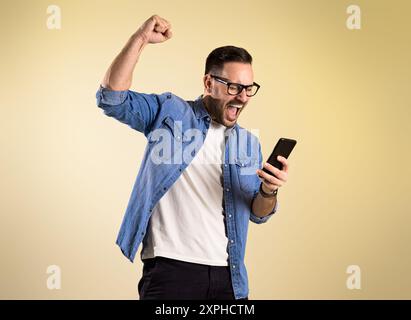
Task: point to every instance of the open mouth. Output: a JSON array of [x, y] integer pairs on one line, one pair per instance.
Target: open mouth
[[233, 110]]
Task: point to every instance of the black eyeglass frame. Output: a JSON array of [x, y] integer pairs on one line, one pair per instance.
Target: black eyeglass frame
[[227, 83]]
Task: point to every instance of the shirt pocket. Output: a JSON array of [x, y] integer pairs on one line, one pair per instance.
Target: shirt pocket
[[165, 140], [246, 172], [175, 127]]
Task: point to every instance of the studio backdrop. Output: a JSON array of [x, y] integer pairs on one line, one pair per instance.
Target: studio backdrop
[[334, 75]]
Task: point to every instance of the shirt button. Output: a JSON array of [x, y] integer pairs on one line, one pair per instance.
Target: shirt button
[[232, 241], [233, 266], [225, 165], [227, 190], [229, 215], [208, 118]]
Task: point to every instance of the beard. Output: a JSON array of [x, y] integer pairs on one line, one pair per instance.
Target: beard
[[218, 111]]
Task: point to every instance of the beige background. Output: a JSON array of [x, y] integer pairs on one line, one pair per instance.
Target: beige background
[[67, 170]]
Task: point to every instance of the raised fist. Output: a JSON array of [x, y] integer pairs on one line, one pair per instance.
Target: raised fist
[[155, 30]]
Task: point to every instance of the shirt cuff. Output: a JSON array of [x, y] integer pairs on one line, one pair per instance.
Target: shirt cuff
[[264, 219]]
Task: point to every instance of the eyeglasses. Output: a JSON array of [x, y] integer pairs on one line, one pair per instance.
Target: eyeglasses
[[234, 89]]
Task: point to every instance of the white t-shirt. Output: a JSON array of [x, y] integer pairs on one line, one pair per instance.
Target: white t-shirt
[[188, 222]]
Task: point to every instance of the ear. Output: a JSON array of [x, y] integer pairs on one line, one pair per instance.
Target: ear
[[207, 83]]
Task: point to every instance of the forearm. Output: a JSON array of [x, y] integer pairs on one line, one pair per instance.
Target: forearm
[[119, 74], [263, 206]]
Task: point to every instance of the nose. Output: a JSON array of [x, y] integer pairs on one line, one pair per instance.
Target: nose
[[242, 96]]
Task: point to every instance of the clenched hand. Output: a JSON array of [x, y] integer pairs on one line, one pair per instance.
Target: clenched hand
[[155, 30]]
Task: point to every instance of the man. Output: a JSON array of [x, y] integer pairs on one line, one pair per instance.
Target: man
[[200, 180]]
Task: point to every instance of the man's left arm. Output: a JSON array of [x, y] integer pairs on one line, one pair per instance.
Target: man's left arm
[[266, 199]]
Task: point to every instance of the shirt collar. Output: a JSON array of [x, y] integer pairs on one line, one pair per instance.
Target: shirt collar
[[199, 108]]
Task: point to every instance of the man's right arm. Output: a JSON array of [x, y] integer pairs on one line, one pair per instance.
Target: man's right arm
[[119, 75], [114, 97]]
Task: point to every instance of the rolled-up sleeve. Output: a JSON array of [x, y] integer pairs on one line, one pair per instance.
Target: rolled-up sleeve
[[137, 110]]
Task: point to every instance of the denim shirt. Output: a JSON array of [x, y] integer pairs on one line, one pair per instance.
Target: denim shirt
[[175, 120]]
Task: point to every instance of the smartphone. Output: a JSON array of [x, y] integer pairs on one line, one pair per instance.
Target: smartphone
[[283, 148]]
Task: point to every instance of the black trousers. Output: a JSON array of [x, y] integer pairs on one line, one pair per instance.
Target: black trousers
[[170, 279]]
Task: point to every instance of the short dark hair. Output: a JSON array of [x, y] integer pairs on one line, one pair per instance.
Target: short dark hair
[[216, 59]]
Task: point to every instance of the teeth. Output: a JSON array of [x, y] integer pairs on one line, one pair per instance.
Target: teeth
[[236, 106]]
